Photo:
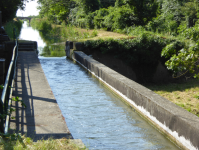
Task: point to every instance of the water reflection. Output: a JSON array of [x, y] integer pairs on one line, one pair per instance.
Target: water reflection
[[46, 44], [27, 33], [53, 51]]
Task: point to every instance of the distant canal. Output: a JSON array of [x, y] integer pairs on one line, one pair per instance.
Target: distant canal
[[93, 113]]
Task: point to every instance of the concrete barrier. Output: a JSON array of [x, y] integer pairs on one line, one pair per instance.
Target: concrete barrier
[[177, 124]]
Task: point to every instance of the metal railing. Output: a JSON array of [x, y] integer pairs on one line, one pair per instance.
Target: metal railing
[[6, 97]]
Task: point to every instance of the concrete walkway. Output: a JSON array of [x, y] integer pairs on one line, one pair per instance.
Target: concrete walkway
[[42, 117]]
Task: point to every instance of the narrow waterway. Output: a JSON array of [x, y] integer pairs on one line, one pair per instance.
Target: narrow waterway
[[94, 114]]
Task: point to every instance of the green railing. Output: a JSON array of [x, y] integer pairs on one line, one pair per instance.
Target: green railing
[[6, 97]]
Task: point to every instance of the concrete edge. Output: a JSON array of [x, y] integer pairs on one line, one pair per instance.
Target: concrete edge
[[180, 126]]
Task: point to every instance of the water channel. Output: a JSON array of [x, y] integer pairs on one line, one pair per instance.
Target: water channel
[[93, 113]]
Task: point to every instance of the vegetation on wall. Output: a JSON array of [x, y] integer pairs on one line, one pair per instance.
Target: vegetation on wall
[[142, 53]]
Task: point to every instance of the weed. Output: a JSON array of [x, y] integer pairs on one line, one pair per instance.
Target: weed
[[94, 33]]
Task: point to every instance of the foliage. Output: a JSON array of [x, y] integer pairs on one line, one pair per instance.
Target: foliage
[[182, 61], [191, 33], [9, 26], [142, 53], [145, 10], [175, 15], [56, 11], [88, 5], [41, 24], [10, 7], [120, 17]]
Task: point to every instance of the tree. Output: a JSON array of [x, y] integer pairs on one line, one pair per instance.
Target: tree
[[145, 10], [55, 10], [88, 5], [10, 7]]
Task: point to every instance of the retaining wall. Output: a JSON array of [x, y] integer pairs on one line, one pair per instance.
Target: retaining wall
[[174, 122]]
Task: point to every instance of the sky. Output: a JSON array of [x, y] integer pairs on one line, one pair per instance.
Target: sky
[[30, 9]]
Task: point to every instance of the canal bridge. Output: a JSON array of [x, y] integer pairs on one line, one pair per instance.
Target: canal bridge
[[25, 18]]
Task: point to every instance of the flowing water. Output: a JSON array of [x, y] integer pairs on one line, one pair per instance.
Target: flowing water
[[94, 114]]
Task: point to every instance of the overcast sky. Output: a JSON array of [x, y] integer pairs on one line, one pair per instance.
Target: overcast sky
[[31, 9]]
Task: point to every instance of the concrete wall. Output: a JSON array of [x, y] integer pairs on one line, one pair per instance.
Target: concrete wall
[[174, 122]]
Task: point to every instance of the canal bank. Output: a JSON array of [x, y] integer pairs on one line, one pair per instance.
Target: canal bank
[[174, 122]]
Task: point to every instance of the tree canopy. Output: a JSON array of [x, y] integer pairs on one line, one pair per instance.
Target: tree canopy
[[10, 7]]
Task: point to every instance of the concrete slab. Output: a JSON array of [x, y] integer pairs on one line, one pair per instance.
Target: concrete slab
[[42, 117]]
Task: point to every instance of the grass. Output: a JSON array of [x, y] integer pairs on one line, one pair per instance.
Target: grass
[[26, 143], [101, 34], [185, 95]]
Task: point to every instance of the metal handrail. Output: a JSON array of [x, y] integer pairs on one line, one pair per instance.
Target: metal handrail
[[7, 90]]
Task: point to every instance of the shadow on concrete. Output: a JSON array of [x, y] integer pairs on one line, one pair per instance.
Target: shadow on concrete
[[24, 121]]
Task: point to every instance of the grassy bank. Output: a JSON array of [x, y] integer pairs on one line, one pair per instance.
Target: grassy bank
[[185, 94], [65, 32], [26, 143]]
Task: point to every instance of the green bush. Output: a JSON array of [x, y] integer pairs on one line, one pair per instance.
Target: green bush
[[111, 18], [142, 53], [191, 33], [41, 24], [11, 25]]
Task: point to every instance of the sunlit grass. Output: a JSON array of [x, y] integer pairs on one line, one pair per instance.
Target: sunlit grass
[[27, 143], [185, 95]]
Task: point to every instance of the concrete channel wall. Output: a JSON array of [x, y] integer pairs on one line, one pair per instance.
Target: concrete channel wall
[[180, 126]]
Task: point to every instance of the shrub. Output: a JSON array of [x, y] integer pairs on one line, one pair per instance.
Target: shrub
[[11, 25], [142, 53]]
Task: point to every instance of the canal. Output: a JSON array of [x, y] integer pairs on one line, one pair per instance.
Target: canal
[[92, 112]]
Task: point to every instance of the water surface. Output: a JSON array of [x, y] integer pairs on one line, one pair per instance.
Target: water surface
[[94, 114]]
